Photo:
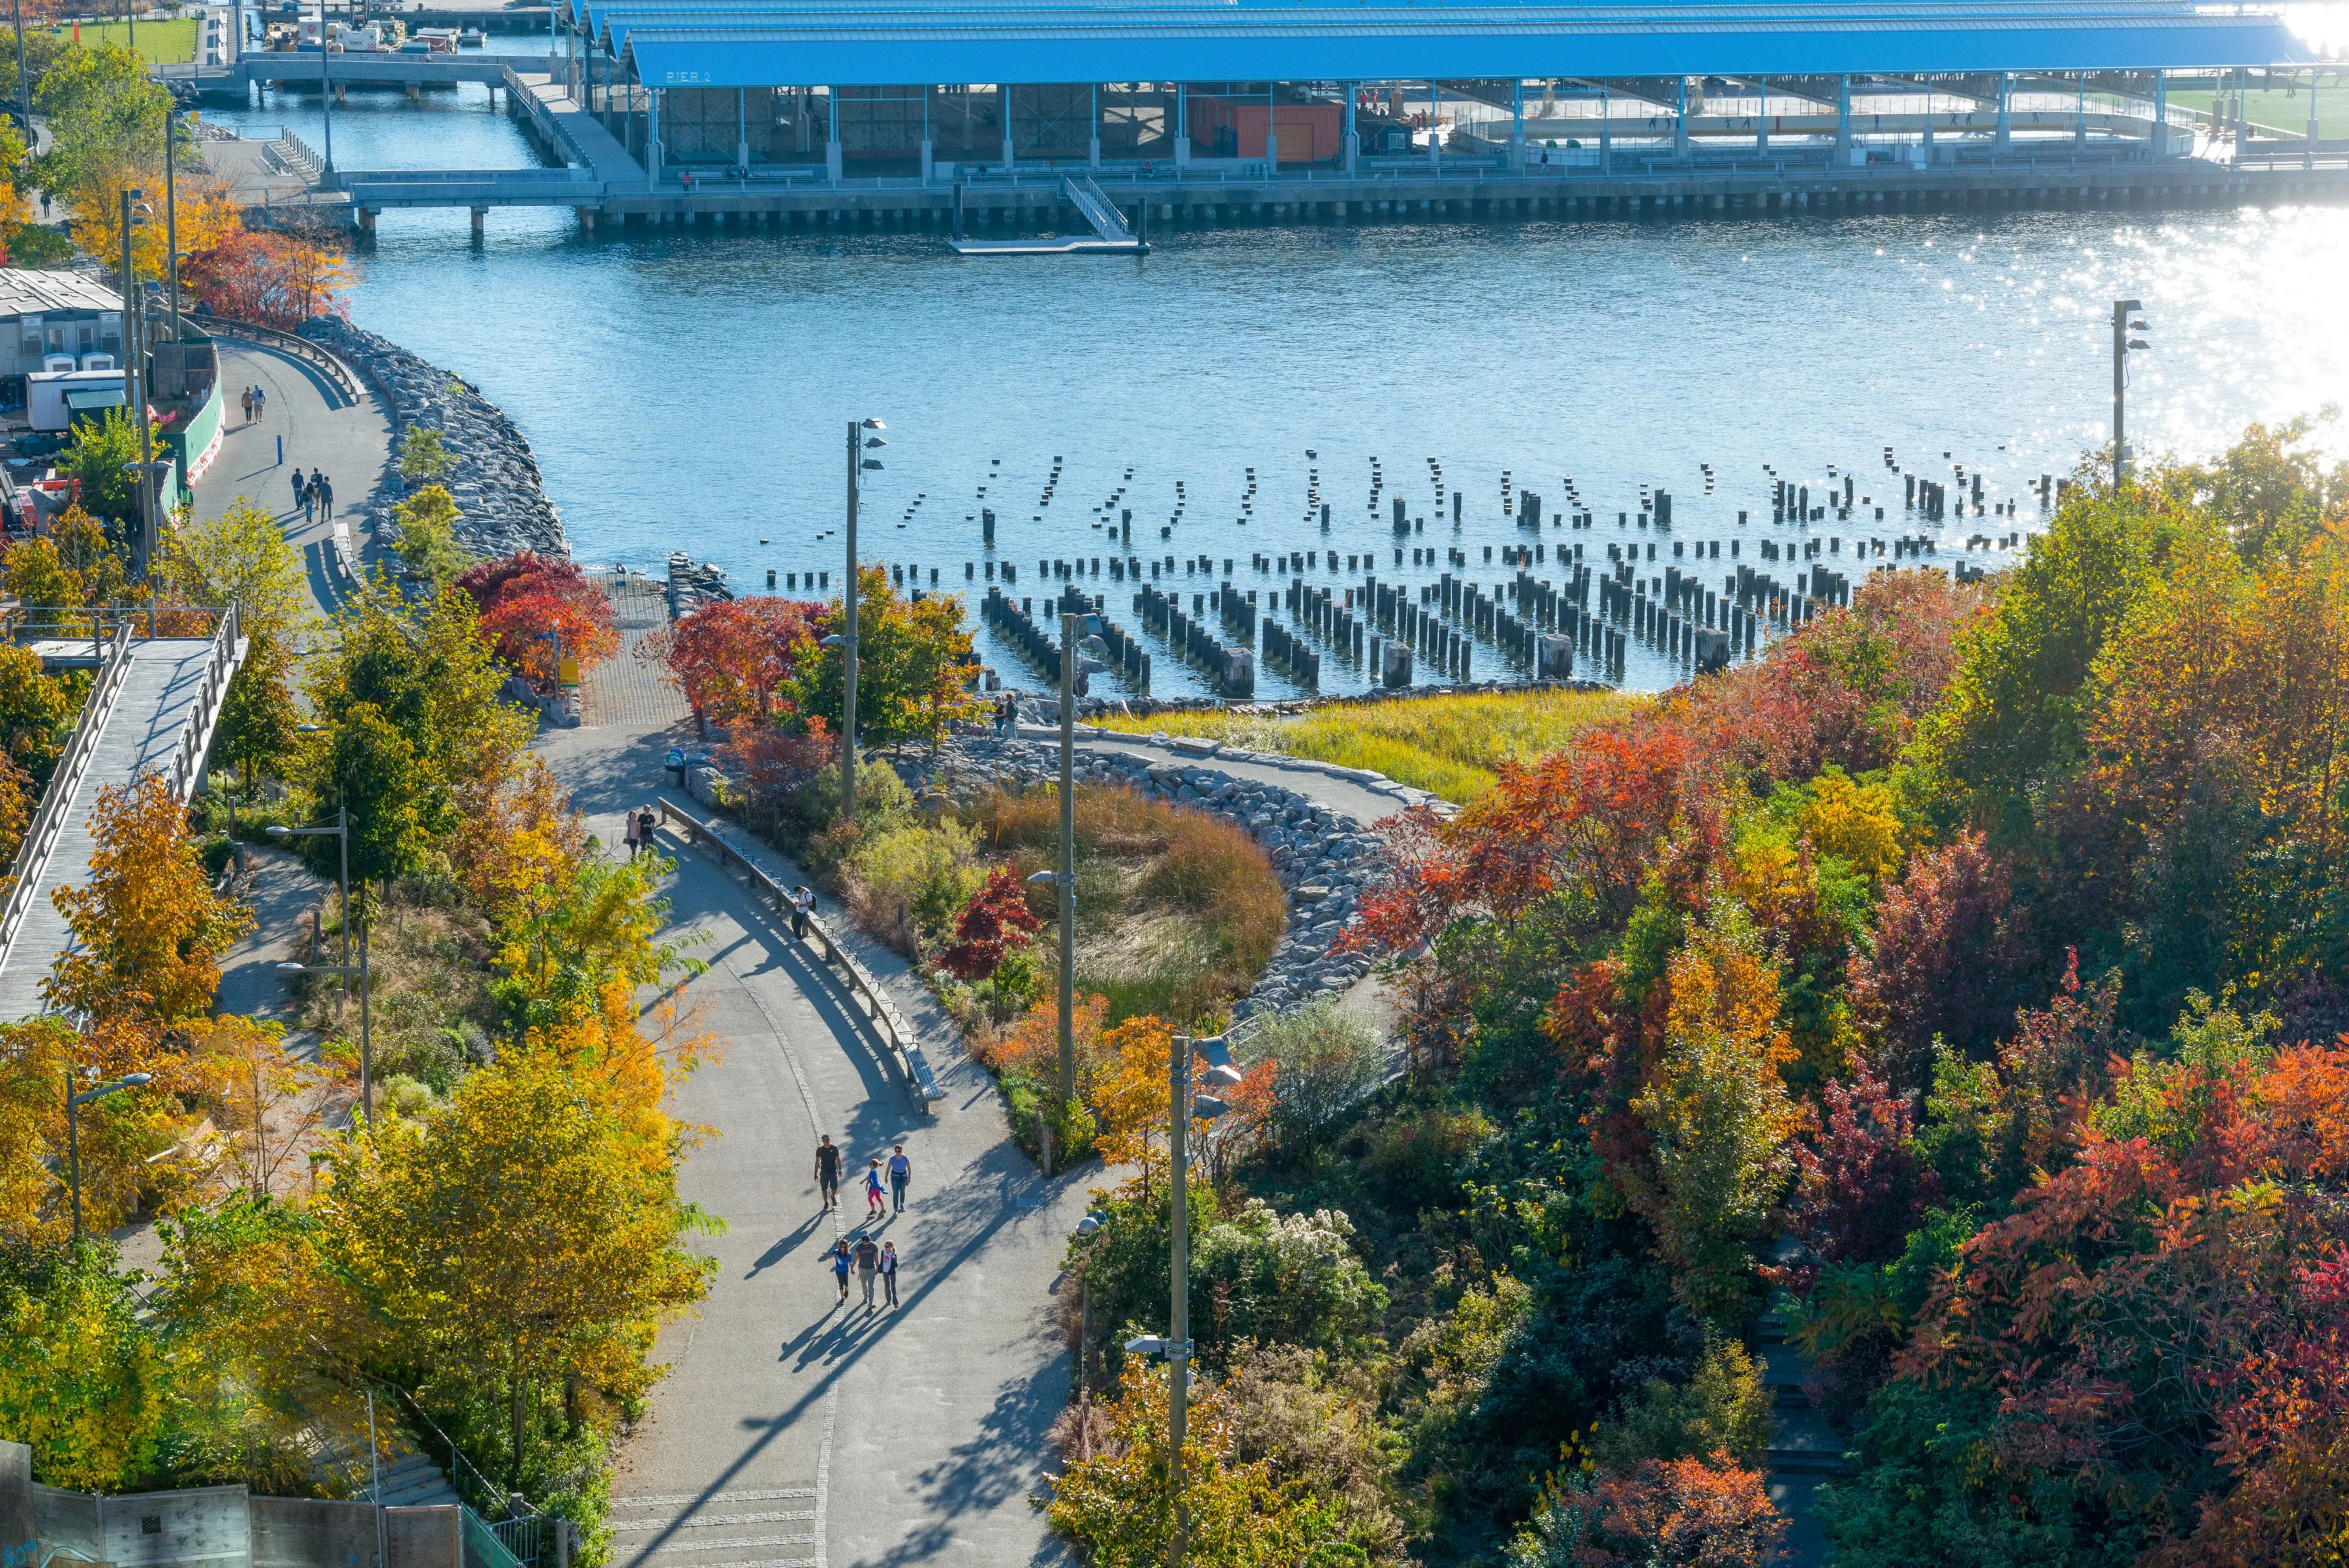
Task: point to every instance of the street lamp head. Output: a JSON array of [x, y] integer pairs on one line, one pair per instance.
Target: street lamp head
[[133, 1080], [872, 424], [872, 465], [872, 441], [293, 969], [277, 830], [2138, 343]]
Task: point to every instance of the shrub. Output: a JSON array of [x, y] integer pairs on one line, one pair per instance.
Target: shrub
[[905, 883], [1290, 1278], [1324, 1061], [1722, 1408]]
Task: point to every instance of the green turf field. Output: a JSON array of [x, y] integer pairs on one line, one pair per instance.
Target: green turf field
[[2277, 112], [169, 42]]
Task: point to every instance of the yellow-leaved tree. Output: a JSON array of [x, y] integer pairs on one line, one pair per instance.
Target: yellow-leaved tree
[[1717, 1112]]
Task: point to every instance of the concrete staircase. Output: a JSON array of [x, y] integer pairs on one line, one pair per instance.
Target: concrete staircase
[[411, 1480], [1805, 1451]]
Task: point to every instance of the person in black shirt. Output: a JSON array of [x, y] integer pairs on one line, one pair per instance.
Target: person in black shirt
[[827, 1170]]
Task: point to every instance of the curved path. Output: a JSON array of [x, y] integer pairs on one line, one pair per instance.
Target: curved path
[[314, 426], [789, 1432]]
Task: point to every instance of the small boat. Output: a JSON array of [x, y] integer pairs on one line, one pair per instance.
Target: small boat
[[471, 38]]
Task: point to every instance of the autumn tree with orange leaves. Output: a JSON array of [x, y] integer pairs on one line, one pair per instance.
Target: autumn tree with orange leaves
[[730, 658]]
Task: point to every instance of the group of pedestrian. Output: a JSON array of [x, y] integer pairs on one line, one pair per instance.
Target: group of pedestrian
[[1006, 716], [639, 830], [313, 496], [869, 1262], [866, 1257], [257, 404], [899, 1174]]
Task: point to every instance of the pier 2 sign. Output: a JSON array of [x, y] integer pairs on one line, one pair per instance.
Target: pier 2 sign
[[686, 79]]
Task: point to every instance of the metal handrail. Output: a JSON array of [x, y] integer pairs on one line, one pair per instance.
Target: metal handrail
[[41, 837], [293, 343], [196, 734], [883, 1013]]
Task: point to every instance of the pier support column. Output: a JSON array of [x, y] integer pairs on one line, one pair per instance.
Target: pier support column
[[831, 160], [1761, 114], [415, 94], [1350, 141], [366, 218], [928, 159], [2158, 134], [586, 219], [2005, 137], [342, 94], [1843, 120], [479, 215]]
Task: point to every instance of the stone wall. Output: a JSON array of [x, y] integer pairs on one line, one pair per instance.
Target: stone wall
[[501, 506]]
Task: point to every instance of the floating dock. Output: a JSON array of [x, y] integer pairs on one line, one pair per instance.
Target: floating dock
[[1111, 237]]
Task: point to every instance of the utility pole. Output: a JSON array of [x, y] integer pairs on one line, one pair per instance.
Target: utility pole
[[2122, 345], [134, 380]]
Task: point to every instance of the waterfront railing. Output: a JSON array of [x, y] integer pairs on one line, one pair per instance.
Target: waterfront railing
[[313, 354]]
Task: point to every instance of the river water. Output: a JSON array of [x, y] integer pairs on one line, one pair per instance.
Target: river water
[[690, 391]]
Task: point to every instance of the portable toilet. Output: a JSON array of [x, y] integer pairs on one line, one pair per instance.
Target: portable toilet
[[56, 361], [96, 362]]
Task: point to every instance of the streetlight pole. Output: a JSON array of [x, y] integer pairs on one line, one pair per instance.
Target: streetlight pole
[[2122, 344], [134, 371], [325, 97], [171, 222], [1178, 1300], [858, 443], [24, 79], [1071, 627], [73, 1129], [341, 833]]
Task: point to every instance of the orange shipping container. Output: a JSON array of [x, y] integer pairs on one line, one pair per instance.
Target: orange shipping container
[[1233, 128]]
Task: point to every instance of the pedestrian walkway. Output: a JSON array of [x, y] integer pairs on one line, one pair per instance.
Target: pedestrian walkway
[[306, 423], [791, 1433]]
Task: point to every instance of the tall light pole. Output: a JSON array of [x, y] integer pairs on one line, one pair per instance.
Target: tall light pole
[[1182, 1110], [2123, 344], [341, 833], [24, 79], [73, 1129], [135, 213], [325, 97], [859, 442], [1071, 627], [171, 221]]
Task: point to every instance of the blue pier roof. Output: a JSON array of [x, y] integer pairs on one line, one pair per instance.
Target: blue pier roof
[[810, 43]]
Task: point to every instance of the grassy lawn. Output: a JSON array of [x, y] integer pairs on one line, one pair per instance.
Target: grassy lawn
[[1445, 745], [171, 42], [2278, 113]]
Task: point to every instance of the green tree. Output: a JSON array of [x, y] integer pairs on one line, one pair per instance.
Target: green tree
[[407, 697], [86, 1383], [36, 710], [912, 661], [423, 456], [427, 535], [258, 718], [100, 457], [241, 557]]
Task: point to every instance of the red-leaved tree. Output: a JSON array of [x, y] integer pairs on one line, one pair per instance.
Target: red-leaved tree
[[996, 920], [1943, 963], [537, 608], [1860, 1187], [274, 279], [729, 657]]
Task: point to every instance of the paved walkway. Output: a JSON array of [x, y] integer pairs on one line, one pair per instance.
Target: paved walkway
[[793, 1433], [308, 424]]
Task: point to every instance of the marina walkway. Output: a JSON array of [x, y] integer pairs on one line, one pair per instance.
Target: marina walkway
[[317, 427], [151, 715], [791, 1432]]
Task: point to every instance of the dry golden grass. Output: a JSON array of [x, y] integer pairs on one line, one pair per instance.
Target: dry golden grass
[[1177, 912]]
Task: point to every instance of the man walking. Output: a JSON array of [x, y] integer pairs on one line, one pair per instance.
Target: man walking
[[300, 484], [247, 400], [827, 1170], [802, 906], [326, 498], [889, 1272], [837, 1261], [868, 1263], [901, 1172]]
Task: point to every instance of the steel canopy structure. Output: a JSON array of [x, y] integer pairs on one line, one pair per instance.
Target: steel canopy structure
[[772, 45]]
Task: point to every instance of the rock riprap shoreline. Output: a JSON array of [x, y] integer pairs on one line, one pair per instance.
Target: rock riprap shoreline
[[501, 502]]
